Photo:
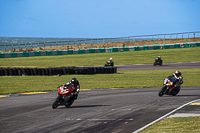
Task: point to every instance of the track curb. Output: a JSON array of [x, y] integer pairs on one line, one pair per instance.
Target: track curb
[[165, 116]]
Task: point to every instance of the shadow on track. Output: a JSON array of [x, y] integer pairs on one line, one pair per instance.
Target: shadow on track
[[88, 106], [84, 106], [186, 95]]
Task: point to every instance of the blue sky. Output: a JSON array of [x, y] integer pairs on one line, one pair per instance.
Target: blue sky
[[97, 18]]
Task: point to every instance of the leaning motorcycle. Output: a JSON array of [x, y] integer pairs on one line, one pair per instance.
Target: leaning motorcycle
[[65, 96], [169, 88], [157, 62]]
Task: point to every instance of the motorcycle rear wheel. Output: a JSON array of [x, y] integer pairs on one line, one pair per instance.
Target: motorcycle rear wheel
[[70, 102], [176, 91]]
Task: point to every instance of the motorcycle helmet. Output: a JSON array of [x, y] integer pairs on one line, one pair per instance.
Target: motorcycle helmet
[[159, 56], [74, 81], [177, 74], [110, 59]]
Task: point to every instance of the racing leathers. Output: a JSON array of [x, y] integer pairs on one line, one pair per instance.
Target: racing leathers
[[177, 81], [158, 60], [110, 62], [76, 90]]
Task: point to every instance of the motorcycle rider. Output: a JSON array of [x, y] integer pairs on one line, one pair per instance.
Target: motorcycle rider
[[110, 62], [177, 79], [158, 60], [75, 83]]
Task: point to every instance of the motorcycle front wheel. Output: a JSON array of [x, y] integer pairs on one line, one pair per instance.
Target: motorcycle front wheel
[[162, 90], [55, 103]]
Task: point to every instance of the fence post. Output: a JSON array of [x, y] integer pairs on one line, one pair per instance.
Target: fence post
[[115, 39], [176, 35], [68, 42], [164, 36], [152, 37], [182, 35], [44, 44], [18, 46], [38, 44], [62, 43], [188, 34], [97, 41], [4, 47], [194, 34], [134, 38], [56, 44], [122, 39], [12, 46], [91, 41], [25, 45], [158, 36]]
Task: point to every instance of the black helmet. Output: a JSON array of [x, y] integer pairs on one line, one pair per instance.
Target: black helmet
[[74, 81]]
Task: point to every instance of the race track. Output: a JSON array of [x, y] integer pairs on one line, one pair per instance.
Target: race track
[[95, 111], [182, 65]]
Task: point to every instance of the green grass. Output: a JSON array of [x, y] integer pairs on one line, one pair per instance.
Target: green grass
[[99, 59], [175, 125], [122, 79]]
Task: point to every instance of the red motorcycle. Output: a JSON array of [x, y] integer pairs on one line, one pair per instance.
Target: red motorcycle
[[65, 96]]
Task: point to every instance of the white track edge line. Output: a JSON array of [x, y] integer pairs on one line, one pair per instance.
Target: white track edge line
[[139, 130]]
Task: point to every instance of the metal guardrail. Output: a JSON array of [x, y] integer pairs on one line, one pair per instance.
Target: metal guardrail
[[101, 40]]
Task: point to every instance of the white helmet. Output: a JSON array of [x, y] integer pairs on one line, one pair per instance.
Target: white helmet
[[110, 59]]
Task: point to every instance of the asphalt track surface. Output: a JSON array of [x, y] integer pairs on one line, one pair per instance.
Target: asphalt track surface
[[95, 111]]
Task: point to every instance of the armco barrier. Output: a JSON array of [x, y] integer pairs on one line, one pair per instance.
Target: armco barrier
[[56, 70], [98, 50]]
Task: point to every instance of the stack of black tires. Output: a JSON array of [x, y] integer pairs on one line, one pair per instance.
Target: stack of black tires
[[56, 71]]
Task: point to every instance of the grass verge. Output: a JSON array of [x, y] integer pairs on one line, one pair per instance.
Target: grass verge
[[99, 59], [123, 79], [175, 125]]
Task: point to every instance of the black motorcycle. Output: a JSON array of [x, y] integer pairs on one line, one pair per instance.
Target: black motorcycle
[[158, 62], [109, 64]]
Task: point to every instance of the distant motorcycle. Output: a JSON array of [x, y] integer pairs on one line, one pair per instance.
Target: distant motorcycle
[[109, 64], [157, 62], [169, 88], [65, 96]]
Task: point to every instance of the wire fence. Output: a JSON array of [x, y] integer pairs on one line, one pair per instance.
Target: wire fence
[[101, 40]]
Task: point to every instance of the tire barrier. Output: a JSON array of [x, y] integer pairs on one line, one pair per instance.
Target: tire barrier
[[56, 71]]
